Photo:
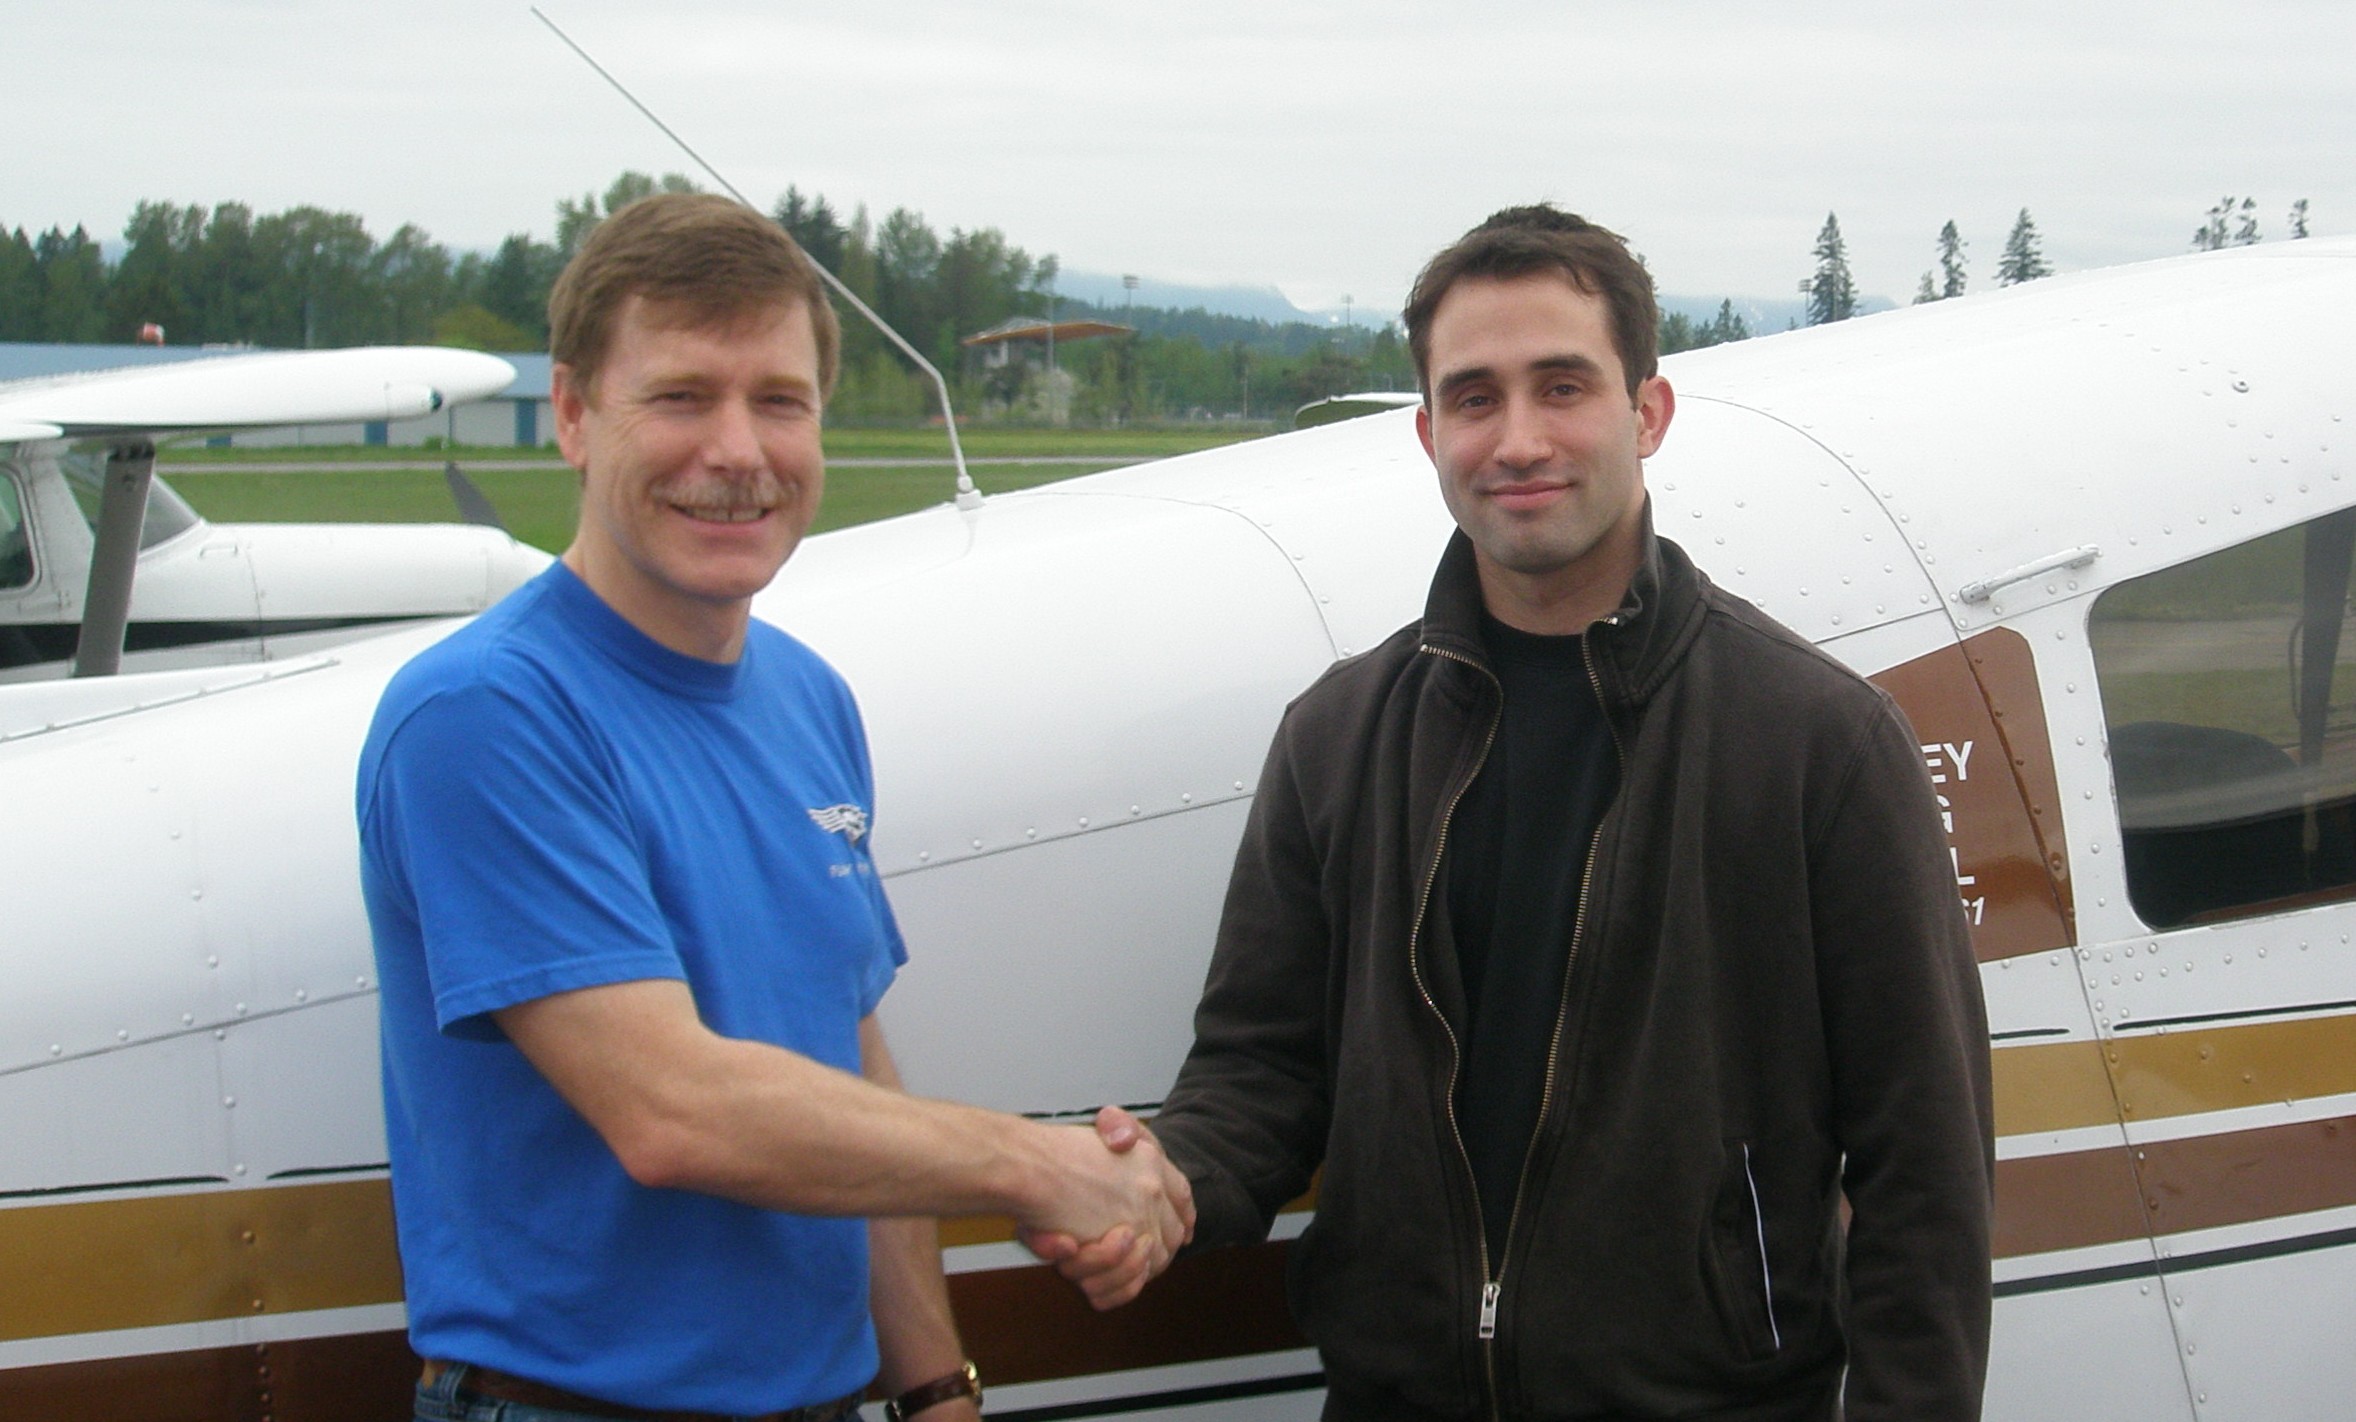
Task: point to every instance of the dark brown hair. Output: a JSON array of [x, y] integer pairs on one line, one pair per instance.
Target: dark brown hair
[[1532, 240], [706, 258]]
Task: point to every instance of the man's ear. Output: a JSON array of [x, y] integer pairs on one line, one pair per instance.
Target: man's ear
[[1423, 429], [1656, 403], [568, 402]]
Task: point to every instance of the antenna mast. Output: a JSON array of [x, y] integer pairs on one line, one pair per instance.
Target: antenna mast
[[968, 497]]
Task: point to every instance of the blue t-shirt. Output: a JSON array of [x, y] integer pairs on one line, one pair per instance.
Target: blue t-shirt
[[551, 800]]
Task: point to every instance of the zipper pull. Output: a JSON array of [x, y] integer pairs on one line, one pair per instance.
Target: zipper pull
[[1489, 1294]]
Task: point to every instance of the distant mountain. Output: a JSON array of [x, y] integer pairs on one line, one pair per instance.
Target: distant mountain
[[1253, 303], [1764, 316]]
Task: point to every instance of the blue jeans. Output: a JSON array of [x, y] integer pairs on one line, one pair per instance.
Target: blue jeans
[[442, 1403]]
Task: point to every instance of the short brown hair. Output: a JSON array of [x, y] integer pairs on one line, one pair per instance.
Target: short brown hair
[[1539, 238], [712, 259]]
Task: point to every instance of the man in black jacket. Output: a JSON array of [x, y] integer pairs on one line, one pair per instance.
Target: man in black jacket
[[1596, 936]]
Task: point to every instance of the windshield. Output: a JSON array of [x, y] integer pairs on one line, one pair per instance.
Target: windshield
[[168, 515], [16, 548]]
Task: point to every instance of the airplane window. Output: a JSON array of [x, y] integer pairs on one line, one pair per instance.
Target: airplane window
[[2229, 691], [168, 515], [16, 544]]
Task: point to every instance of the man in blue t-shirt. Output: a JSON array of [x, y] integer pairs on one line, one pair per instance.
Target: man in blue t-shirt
[[649, 1151]]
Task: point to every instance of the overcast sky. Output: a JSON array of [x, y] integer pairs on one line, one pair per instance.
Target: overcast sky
[[1320, 147]]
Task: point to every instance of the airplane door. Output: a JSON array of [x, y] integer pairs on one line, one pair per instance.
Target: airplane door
[[18, 571], [2075, 1270], [44, 559], [2218, 950]]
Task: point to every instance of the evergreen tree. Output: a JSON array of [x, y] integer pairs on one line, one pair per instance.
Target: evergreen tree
[[478, 330], [1832, 295], [20, 287], [2210, 236], [1951, 277], [575, 220], [1925, 292], [812, 223], [513, 285], [2298, 219], [2024, 257], [411, 273], [2245, 227], [319, 295], [72, 276], [228, 288], [151, 282], [1726, 326]]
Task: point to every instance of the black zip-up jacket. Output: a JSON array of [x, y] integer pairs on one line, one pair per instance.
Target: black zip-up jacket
[[1771, 1000]]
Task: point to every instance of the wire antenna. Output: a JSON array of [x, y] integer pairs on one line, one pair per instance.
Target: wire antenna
[[968, 497]]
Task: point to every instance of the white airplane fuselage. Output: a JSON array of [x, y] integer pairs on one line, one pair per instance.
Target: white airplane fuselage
[[1069, 692]]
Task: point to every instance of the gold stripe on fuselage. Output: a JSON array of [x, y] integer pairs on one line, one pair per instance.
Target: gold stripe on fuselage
[[91, 1266]]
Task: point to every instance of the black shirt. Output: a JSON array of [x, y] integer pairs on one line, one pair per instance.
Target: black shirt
[[1517, 852]]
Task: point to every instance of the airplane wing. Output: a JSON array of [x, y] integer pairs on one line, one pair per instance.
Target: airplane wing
[[1350, 407], [251, 390], [16, 431]]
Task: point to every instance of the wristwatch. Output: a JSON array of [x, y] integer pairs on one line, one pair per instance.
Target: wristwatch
[[965, 1382]]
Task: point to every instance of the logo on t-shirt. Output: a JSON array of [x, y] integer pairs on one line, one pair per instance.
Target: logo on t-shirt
[[849, 821]]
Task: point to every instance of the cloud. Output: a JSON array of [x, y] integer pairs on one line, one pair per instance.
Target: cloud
[[1326, 148]]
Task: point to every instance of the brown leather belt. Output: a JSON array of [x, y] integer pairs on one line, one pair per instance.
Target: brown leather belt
[[507, 1387]]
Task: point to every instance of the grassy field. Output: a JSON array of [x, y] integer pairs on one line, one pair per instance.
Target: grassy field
[[538, 504], [842, 442]]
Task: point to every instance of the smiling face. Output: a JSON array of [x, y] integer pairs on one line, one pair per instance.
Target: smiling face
[[701, 468], [1539, 446]]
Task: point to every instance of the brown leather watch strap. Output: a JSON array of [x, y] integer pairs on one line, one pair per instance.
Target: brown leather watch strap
[[965, 1382]]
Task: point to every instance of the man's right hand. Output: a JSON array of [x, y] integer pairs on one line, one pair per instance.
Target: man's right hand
[[1118, 1167]]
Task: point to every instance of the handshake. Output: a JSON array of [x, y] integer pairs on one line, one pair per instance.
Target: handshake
[[1115, 1211]]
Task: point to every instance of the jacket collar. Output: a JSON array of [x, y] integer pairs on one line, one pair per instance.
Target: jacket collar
[[1632, 650]]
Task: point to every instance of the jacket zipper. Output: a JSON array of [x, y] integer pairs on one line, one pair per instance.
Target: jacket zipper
[[1485, 1326], [1562, 1012]]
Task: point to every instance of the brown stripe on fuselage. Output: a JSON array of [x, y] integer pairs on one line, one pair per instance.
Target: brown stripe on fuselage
[[999, 1229], [2203, 1182], [2081, 1198], [91, 1266], [1019, 1325], [95, 1266], [1028, 1325], [364, 1377], [2068, 1201]]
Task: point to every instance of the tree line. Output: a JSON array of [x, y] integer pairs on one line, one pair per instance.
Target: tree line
[[1832, 294], [310, 278]]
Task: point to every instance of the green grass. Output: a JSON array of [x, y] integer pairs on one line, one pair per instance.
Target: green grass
[[2245, 699], [842, 442], [539, 505]]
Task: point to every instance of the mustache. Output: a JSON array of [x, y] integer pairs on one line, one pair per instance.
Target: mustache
[[758, 491]]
